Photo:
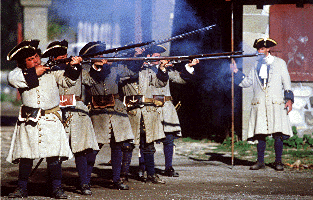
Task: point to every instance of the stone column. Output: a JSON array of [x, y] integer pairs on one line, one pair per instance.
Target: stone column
[[36, 20]]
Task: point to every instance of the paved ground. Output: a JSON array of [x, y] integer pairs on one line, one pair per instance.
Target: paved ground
[[210, 179]]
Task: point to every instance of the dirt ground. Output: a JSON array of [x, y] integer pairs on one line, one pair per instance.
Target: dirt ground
[[214, 178]]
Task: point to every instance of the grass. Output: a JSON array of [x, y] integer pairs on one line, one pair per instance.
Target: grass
[[10, 98], [295, 148]]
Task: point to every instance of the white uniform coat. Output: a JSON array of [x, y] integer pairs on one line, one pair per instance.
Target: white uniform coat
[[268, 114], [79, 126], [169, 117], [48, 137], [110, 118], [151, 115]]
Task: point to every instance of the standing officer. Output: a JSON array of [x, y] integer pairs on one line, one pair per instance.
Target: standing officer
[[271, 103], [76, 120], [108, 114], [142, 110], [39, 132]]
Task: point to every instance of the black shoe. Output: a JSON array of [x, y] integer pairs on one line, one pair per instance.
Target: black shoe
[[120, 186], [124, 178], [59, 194], [171, 172], [279, 166], [85, 189], [141, 176], [18, 193], [155, 179], [257, 166]]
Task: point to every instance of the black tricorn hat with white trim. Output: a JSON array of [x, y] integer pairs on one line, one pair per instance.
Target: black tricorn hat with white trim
[[267, 43], [155, 49], [23, 50], [92, 48], [55, 49]]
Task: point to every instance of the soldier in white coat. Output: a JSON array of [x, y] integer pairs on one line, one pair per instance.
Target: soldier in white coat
[[76, 119], [143, 112], [108, 114], [169, 117], [39, 132], [271, 103]]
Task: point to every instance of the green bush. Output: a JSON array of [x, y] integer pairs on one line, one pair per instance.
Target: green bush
[[295, 142]]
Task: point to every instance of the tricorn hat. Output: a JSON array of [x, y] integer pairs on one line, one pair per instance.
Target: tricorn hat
[[155, 49], [23, 50], [56, 48], [267, 43], [92, 48]]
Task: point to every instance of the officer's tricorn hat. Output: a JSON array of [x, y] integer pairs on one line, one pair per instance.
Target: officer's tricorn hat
[[23, 50], [56, 48], [155, 49], [92, 48], [267, 43]]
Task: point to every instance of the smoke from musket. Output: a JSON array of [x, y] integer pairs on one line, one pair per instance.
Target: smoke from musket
[[96, 16]]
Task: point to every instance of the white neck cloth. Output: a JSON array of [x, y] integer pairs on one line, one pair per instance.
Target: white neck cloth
[[263, 71]]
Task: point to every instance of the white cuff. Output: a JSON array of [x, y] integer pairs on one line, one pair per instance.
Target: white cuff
[[93, 66], [189, 69]]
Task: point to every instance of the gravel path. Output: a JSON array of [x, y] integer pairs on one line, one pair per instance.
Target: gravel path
[[213, 178]]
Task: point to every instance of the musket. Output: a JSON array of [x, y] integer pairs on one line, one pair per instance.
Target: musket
[[172, 38], [51, 63], [230, 56], [145, 45], [213, 56]]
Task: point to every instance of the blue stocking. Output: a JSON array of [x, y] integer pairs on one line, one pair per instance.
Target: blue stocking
[[261, 149]]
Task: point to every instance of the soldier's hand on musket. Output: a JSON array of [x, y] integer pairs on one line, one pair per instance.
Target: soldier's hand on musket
[[288, 106], [100, 61], [164, 64], [193, 62], [40, 69], [76, 60], [233, 67]]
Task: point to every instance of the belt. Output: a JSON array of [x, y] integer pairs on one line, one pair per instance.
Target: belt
[[103, 101], [52, 110], [33, 114], [157, 100]]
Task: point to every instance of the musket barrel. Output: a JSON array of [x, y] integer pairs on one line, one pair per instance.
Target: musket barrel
[[211, 56], [181, 58], [229, 56]]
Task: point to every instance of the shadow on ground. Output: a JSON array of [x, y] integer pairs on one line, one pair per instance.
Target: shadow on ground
[[38, 185], [220, 157]]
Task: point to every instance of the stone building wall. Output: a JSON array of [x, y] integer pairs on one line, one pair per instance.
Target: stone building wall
[[301, 115], [36, 20]]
